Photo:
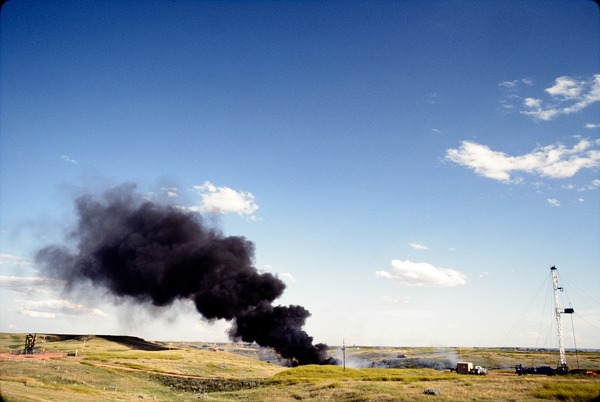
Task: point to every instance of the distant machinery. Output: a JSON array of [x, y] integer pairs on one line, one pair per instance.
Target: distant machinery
[[468, 368], [30, 343], [561, 367]]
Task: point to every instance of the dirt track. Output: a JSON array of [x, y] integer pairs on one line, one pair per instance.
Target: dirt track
[[37, 356]]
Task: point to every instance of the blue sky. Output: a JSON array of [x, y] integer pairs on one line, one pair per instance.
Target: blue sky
[[410, 169]]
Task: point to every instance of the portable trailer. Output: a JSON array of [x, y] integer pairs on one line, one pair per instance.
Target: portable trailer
[[468, 368]]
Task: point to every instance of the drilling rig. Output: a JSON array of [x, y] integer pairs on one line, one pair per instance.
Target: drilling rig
[[561, 367]]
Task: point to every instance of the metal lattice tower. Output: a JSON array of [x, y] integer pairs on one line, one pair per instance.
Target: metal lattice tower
[[562, 362]]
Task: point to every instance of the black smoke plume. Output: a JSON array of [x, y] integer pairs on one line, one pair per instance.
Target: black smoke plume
[[155, 254]]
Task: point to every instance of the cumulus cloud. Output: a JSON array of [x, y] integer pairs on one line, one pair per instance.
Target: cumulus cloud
[[566, 87], [171, 192], [532, 102], [567, 95], [223, 200], [418, 246], [591, 126], [422, 274], [553, 201], [553, 161]]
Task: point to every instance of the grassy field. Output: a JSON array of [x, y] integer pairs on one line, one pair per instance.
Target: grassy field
[[86, 368]]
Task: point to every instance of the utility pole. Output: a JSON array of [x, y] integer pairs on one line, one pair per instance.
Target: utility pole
[[562, 362], [344, 353]]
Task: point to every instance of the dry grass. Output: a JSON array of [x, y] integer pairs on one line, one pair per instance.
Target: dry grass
[[111, 369]]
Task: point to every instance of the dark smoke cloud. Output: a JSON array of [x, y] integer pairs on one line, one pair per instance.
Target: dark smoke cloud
[[155, 254]]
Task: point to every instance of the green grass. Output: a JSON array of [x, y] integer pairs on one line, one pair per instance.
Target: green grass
[[568, 391], [131, 355], [109, 370], [318, 373]]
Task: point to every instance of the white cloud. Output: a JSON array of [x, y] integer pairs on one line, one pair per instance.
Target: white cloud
[[29, 284], [418, 246], [527, 81], [553, 201], [422, 274], [52, 307], [37, 314], [566, 87], [287, 277], [554, 161], [67, 158], [171, 192], [13, 260], [407, 313], [508, 84], [511, 85], [592, 125], [532, 102], [431, 98], [222, 200], [567, 95], [394, 299], [506, 104]]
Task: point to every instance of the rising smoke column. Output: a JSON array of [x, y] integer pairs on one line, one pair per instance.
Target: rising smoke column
[[156, 254]]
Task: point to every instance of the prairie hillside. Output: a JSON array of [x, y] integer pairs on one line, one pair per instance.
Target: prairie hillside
[[123, 368]]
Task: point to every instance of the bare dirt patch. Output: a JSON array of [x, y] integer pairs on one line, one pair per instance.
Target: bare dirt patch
[[35, 356]]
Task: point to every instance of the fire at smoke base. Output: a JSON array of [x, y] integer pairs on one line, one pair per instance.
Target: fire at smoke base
[[154, 254]]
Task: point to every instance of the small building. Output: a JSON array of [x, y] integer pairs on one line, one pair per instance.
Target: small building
[[464, 367]]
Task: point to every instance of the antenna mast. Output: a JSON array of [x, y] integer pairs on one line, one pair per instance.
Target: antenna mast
[[562, 363]]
